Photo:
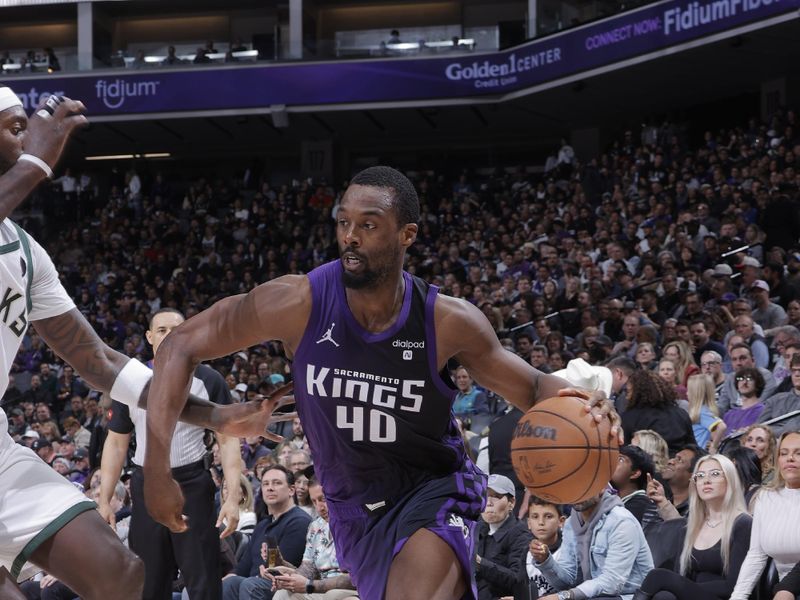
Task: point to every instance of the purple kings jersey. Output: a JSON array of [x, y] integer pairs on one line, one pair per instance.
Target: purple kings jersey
[[375, 410]]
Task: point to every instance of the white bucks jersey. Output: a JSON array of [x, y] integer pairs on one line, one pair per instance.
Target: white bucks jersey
[[29, 291]]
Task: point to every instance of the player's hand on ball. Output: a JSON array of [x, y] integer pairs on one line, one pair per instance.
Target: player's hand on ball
[[539, 551], [164, 501], [601, 407], [251, 418]]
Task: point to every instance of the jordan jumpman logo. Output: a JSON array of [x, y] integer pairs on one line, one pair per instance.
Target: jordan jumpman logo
[[328, 337]]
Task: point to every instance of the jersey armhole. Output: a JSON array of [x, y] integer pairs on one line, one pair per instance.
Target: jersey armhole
[[438, 377]]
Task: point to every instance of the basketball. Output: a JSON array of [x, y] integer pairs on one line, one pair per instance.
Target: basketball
[[560, 453]]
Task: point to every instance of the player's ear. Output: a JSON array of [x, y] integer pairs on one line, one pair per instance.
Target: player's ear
[[409, 234]]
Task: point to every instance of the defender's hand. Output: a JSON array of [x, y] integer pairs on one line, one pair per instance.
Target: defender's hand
[[601, 407], [47, 136], [164, 501], [252, 418]]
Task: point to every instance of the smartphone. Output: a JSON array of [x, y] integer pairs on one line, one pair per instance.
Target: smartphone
[[274, 572]]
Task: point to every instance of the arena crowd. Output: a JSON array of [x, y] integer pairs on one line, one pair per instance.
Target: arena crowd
[[675, 266]]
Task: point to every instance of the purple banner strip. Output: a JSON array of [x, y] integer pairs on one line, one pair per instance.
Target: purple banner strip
[[652, 28]]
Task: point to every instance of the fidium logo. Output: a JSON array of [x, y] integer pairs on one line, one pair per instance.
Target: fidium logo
[[114, 93]]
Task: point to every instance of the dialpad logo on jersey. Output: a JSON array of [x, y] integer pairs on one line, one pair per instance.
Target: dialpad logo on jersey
[[456, 521], [408, 355], [113, 93], [408, 344], [377, 393]]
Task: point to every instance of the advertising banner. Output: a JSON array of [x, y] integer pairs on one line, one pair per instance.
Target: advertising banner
[[651, 29]]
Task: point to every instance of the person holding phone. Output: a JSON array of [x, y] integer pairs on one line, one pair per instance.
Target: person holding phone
[[282, 532], [319, 576]]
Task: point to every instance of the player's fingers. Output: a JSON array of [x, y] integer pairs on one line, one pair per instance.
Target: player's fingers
[[178, 524], [67, 106], [569, 391], [281, 417], [272, 436], [285, 401]]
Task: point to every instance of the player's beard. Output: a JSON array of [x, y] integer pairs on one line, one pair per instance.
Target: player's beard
[[376, 270]]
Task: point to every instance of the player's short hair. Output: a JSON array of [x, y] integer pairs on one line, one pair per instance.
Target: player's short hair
[[161, 311], [405, 200], [537, 501]]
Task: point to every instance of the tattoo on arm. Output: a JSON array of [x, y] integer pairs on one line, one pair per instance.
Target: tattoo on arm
[[74, 340]]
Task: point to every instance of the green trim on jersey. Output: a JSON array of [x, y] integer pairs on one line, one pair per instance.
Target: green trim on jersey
[[9, 247], [49, 531], [26, 248]]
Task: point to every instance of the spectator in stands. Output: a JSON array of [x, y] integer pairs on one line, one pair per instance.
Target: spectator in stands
[[545, 521], [501, 543], [711, 365], [716, 541], [247, 516], [604, 551], [286, 526], [253, 450], [655, 446], [783, 338], [301, 494], [630, 480], [680, 354], [765, 312], [743, 325], [702, 342], [172, 58], [469, 399], [742, 358], [749, 469], [678, 474], [652, 405], [669, 374], [793, 313], [80, 436], [749, 385], [319, 573], [761, 440], [774, 508], [645, 355], [782, 404], [708, 428]]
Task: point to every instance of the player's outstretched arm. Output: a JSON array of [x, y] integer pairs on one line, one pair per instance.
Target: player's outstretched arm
[[72, 337], [277, 310], [465, 333]]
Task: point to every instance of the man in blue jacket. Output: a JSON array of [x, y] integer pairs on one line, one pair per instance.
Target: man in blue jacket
[[603, 554], [285, 526]]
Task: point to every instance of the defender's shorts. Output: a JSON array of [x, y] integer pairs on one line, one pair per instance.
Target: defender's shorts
[[35, 503], [367, 541]]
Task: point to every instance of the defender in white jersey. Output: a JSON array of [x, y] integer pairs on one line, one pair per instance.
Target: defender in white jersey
[[43, 519]]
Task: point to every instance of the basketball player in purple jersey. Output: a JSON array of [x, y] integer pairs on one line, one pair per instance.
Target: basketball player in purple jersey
[[368, 342]]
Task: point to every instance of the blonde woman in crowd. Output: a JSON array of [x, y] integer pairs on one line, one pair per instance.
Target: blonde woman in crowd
[[761, 440], [708, 428], [656, 446], [681, 355], [716, 541], [776, 514]]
